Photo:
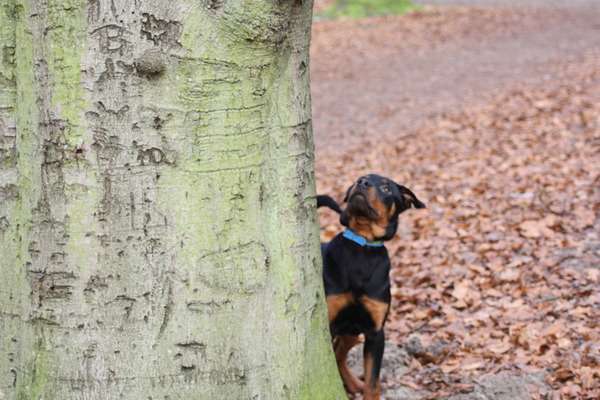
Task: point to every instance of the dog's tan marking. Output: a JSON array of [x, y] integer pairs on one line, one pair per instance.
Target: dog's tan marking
[[377, 309], [372, 386], [337, 302]]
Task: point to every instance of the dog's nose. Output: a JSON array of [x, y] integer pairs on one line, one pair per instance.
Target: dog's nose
[[364, 183]]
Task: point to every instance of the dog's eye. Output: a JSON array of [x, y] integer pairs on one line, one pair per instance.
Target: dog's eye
[[386, 189]]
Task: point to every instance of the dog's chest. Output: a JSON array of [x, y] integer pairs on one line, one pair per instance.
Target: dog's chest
[[360, 276], [366, 268]]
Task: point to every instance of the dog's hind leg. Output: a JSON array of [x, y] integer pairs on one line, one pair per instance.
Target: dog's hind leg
[[342, 345]]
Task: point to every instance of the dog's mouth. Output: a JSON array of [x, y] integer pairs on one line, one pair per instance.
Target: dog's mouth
[[359, 206]]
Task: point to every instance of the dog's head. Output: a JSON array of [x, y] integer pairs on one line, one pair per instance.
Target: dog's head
[[373, 205]]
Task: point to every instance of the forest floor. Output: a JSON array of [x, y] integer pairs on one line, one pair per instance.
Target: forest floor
[[490, 113]]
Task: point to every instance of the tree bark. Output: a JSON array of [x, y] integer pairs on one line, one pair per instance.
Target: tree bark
[[157, 217]]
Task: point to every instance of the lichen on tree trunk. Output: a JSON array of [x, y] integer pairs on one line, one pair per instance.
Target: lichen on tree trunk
[[158, 224]]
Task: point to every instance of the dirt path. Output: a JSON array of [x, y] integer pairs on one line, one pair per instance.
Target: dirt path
[[387, 87], [491, 114]]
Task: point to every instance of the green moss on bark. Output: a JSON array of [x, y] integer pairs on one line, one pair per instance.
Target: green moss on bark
[[66, 48], [209, 268], [34, 386]]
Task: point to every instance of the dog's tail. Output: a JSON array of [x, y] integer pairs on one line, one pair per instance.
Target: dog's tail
[[324, 200]]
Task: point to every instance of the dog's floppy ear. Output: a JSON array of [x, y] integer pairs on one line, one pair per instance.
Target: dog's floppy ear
[[408, 198], [344, 217], [348, 193]]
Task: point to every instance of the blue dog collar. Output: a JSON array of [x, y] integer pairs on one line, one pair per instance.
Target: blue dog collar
[[348, 234]]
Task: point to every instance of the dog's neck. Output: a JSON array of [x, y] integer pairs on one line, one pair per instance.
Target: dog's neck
[[380, 230], [348, 234]]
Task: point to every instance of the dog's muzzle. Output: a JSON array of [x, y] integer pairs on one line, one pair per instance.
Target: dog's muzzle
[[359, 206]]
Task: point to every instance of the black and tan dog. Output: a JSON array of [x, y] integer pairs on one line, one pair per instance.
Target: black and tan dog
[[356, 270]]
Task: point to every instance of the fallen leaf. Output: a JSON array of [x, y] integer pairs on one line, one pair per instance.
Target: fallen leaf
[[500, 348], [553, 329], [562, 375], [461, 289], [538, 228]]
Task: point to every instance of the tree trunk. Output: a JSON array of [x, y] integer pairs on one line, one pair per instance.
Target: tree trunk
[[157, 218]]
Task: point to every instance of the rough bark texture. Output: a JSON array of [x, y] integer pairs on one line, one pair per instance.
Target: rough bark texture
[[157, 221]]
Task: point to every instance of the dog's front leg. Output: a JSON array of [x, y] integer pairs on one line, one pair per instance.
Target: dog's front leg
[[373, 355]]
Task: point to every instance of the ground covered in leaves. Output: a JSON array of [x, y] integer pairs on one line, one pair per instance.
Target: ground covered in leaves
[[499, 277]]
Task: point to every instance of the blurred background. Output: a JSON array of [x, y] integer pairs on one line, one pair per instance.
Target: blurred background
[[489, 111]]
